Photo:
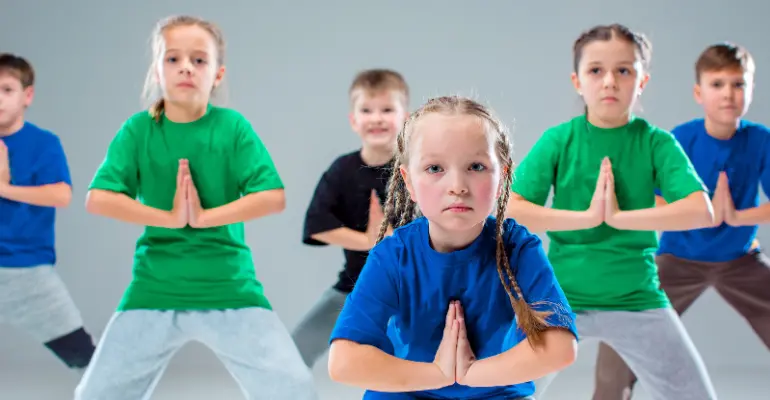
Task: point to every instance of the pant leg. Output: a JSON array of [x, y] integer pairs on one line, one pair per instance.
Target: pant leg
[[312, 334], [745, 285], [584, 322], [36, 301], [256, 348], [131, 356], [683, 281], [658, 349]]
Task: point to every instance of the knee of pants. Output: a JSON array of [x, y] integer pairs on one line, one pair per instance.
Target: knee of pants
[[75, 349]]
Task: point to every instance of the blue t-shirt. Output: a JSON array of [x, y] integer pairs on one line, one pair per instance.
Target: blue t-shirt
[[36, 158], [746, 159], [400, 301]]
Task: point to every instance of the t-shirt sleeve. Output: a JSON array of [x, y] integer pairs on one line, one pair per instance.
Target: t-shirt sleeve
[[764, 172], [374, 300], [320, 215], [54, 167], [119, 171], [535, 175], [537, 281], [675, 176], [252, 163]]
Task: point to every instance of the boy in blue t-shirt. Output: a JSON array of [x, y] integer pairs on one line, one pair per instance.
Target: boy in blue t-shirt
[[34, 181], [732, 156]]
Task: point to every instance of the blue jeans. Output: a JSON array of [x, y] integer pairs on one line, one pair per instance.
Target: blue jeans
[[252, 343]]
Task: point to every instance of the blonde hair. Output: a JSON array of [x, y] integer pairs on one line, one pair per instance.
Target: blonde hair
[[151, 92], [399, 203], [373, 81]]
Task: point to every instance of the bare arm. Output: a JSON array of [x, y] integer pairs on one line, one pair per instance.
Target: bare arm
[[540, 219], [123, 208], [53, 195], [366, 366], [346, 238], [523, 363], [691, 212], [252, 206]]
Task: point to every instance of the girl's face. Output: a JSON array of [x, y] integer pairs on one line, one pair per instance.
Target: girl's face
[[453, 173], [610, 77], [188, 70]]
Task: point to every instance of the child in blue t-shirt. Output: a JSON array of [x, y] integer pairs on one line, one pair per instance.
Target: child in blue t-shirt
[[455, 304], [732, 156], [34, 181]]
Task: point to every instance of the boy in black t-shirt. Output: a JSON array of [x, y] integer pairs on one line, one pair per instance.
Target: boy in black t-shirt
[[346, 207]]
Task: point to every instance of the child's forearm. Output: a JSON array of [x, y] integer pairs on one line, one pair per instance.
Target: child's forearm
[[692, 212], [251, 206], [540, 219], [123, 208], [346, 238], [370, 368], [522, 363], [54, 195], [752, 216]]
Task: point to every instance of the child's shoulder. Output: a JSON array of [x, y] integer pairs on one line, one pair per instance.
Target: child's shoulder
[[38, 134], [756, 129]]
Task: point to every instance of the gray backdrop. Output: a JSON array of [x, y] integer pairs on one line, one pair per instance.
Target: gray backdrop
[[290, 64]]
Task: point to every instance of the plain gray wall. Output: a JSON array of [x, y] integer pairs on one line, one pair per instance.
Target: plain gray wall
[[290, 64]]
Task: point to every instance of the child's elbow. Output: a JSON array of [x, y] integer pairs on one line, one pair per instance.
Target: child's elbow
[[703, 210], [562, 349], [63, 196], [95, 200], [280, 201], [339, 360]]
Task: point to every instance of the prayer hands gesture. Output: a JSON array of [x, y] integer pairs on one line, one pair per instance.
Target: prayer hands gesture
[[5, 167], [455, 356], [187, 208], [376, 215], [724, 208], [604, 204]]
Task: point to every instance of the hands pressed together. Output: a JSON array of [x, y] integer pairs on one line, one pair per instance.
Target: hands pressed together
[[455, 356], [722, 201], [604, 204], [187, 204], [5, 167], [376, 215]]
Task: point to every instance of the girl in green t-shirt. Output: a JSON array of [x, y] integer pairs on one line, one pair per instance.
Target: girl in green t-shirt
[[604, 167]]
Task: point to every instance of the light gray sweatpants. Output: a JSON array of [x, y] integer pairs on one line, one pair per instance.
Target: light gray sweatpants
[[313, 332], [655, 345], [252, 343]]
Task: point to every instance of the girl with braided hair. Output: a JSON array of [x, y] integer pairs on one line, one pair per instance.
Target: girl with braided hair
[[455, 304]]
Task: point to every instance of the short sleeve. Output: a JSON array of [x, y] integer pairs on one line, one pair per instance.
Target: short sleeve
[[374, 300], [320, 216], [253, 164], [536, 278], [675, 176], [764, 173], [535, 175], [119, 171], [53, 167]]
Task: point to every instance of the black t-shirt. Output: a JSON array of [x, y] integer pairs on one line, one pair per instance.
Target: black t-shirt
[[341, 199]]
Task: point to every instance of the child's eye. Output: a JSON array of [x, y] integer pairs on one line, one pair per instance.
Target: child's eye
[[624, 71], [594, 70], [433, 169], [200, 61], [478, 167], [171, 59]]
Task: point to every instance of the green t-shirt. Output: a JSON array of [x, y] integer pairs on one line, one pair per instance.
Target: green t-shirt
[[189, 268], [604, 268]]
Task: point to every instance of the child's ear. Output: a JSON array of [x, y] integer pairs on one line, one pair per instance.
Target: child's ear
[[696, 94], [576, 82], [220, 76], [643, 83], [29, 95], [407, 182]]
